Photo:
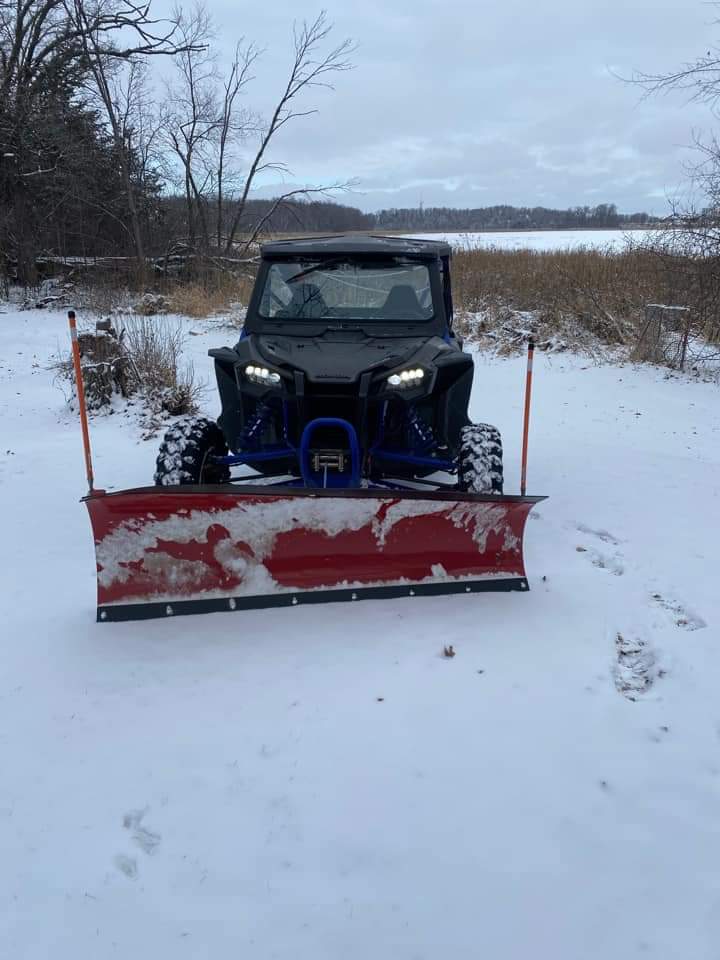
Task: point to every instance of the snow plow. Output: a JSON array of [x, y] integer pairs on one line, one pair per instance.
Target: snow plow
[[343, 465]]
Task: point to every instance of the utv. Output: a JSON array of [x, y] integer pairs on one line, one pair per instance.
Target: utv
[[347, 374]]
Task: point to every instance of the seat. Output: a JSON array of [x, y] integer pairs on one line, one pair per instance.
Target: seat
[[402, 303]]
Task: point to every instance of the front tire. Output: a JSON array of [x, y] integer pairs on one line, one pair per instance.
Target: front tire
[[480, 463], [183, 454]]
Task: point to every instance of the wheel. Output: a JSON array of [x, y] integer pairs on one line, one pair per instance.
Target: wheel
[[480, 465], [184, 452]]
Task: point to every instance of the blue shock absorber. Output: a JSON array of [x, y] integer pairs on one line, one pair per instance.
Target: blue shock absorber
[[253, 429], [420, 435]]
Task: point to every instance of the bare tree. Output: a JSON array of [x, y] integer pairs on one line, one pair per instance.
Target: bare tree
[[311, 67], [189, 118], [203, 125], [234, 126], [207, 128], [699, 78]]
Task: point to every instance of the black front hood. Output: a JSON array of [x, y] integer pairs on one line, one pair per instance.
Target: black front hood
[[343, 356]]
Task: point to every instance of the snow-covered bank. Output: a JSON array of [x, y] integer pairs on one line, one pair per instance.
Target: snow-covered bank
[[321, 781]]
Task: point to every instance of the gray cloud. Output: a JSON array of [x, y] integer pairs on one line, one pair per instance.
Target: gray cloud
[[475, 103]]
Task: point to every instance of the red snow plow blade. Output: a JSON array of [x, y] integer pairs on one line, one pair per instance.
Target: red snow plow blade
[[164, 551]]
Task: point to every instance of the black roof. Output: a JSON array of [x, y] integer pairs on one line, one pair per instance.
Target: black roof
[[343, 243]]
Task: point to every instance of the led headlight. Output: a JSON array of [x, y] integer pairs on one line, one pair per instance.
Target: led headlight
[[407, 378], [262, 375]]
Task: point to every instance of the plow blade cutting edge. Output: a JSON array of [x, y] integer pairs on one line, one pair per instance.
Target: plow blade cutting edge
[[164, 551]]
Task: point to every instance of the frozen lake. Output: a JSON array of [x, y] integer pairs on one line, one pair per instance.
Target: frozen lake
[[540, 239]]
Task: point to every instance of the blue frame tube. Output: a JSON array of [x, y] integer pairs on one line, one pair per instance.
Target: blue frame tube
[[234, 459], [308, 475]]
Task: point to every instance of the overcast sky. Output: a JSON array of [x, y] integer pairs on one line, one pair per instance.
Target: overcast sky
[[462, 103]]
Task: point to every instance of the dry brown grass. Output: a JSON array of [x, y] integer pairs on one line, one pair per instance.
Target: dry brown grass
[[214, 295], [603, 293], [202, 296]]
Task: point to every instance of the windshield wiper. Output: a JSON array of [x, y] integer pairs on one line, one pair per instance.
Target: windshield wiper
[[317, 266]]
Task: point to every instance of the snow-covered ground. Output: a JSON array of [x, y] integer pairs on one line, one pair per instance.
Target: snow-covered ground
[[541, 239], [321, 782]]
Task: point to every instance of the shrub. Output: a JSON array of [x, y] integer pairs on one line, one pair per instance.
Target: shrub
[[154, 347], [143, 359]]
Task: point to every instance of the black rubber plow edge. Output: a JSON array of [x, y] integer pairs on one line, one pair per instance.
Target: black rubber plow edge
[[115, 613]]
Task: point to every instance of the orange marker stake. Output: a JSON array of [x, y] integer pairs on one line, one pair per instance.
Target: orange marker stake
[[526, 420], [81, 399]]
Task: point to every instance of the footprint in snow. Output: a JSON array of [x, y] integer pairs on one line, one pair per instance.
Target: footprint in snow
[[127, 865], [603, 535], [147, 840], [605, 562], [612, 563], [682, 617], [635, 669]]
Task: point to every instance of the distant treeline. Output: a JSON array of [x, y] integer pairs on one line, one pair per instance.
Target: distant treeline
[[317, 215], [504, 217]]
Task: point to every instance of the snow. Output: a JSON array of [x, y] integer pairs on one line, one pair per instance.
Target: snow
[[541, 239], [321, 781]]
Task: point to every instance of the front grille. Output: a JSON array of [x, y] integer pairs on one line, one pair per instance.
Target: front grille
[[335, 400], [330, 438], [331, 400], [332, 407]]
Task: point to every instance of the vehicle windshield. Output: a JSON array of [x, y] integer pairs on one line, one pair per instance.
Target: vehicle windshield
[[395, 289]]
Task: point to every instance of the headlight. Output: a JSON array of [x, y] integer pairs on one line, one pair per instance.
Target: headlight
[[262, 375], [407, 378]]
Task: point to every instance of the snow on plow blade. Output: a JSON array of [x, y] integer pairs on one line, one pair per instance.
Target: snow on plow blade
[[164, 551]]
